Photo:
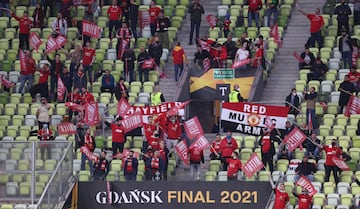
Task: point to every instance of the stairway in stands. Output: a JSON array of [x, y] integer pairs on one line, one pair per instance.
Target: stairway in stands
[[168, 85], [285, 68]]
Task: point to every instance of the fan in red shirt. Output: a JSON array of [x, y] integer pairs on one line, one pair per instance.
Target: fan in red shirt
[[196, 158], [114, 12], [173, 131], [354, 77], [258, 58], [281, 197], [154, 13], [150, 135], [215, 148], [118, 135], [234, 166], [24, 24], [86, 96], [45, 134], [316, 23], [42, 87], [227, 145], [27, 71], [305, 200], [88, 58]]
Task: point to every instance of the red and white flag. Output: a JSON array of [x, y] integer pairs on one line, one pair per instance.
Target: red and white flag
[[147, 64], [353, 106], [294, 139], [22, 60], [74, 107], [182, 151], [240, 63], [132, 121], [341, 164], [310, 122], [35, 40], [193, 127], [60, 41], [61, 89], [90, 155], [269, 123], [307, 185], [123, 107], [51, 45], [92, 115], [206, 64], [204, 45], [201, 142], [5, 82], [276, 35], [298, 57], [253, 165], [91, 29], [211, 19], [82, 2], [66, 128], [175, 110]]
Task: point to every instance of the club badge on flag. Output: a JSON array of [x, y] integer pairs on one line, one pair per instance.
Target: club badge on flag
[[307, 185], [193, 127], [123, 107], [182, 151], [353, 106], [253, 165], [206, 64], [66, 128], [201, 142], [341, 164], [91, 29], [211, 19], [240, 63], [90, 155], [132, 121], [92, 115], [35, 40], [61, 89], [294, 139]]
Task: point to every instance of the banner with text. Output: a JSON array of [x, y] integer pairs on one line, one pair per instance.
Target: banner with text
[[91, 29], [294, 139], [66, 128], [341, 164], [169, 195], [353, 106], [253, 165], [306, 184], [250, 118]]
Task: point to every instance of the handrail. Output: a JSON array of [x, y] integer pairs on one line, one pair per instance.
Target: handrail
[[181, 82]]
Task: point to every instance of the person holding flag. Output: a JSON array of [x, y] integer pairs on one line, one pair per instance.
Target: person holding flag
[[266, 143], [281, 196], [346, 89], [88, 59], [157, 166], [233, 166], [173, 131], [123, 35], [150, 134], [56, 69], [28, 69], [130, 167], [118, 135], [45, 134], [89, 142], [305, 200], [196, 159], [227, 145], [42, 87], [101, 167], [305, 168]]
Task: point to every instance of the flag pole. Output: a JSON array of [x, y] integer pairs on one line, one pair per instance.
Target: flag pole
[[220, 128]]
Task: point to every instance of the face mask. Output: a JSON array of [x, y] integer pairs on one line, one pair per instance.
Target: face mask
[[172, 120], [228, 137], [294, 94]]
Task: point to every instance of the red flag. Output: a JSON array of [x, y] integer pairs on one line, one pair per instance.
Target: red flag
[[253, 165], [353, 106], [269, 123], [149, 63], [211, 19], [175, 110], [5, 82], [204, 44], [294, 139], [22, 60], [60, 41], [131, 122], [298, 57], [74, 107], [276, 35], [201, 142], [90, 155], [35, 40], [91, 29], [310, 122], [60, 89], [92, 115], [124, 43], [51, 45], [341, 164], [144, 18], [307, 185], [82, 2], [206, 64], [66, 128], [193, 127], [240, 63], [182, 151], [123, 107]]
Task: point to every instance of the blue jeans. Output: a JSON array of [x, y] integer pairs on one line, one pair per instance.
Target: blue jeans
[[310, 177], [88, 71], [177, 73], [272, 11], [255, 15], [316, 37], [195, 25], [83, 159], [313, 117], [315, 153], [23, 79], [347, 57]]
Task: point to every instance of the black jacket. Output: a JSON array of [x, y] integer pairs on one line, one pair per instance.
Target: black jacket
[[343, 11], [196, 10], [129, 58], [296, 101], [133, 13], [344, 97], [311, 55], [155, 51], [134, 163], [305, 168], [273, 139]]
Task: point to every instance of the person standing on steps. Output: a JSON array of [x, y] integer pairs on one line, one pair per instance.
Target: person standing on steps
[[343, 12], [196, 10], [316, 24], [235, 95], [179, 56]]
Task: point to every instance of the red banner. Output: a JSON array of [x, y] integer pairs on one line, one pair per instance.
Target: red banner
[[74, 107], [298, 57], [6, 82], [307, 185], [204, 44], [66, 128], [61, 89], [193, 127], [276, 34], [60, 41], [240, 63], [253, 165], [132, 121], [211, 19], [35, 40], [90, 155], [92, 115], [147, 64], [51, 45], [123, 107], [206, 64], [82, 2], [124, 43], [201, 142], [341, 164], [22, 60], [91, 29], [144, 18], [353, 106], [182, 151], [269, 123], [175, 110], [294, 139]]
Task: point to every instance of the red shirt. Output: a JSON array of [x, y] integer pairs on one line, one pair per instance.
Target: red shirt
[[44, 75], [316, 22], [44, 135], [24, 24], [258, 57], [228, 147], [114, 12], [118, 134], [265, 144], [215, 147], [281, 198], [254, 5], [331, 152], [87, 97], [173, 130], [234, 166], [88, 56], [196, 155], [161, 120], [30, 66], [178, 54], [304, 201], [354, 77], [154, 13]]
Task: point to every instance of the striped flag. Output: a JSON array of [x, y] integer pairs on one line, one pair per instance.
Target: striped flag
[[269, 123], [310, 122], [60, 89]]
